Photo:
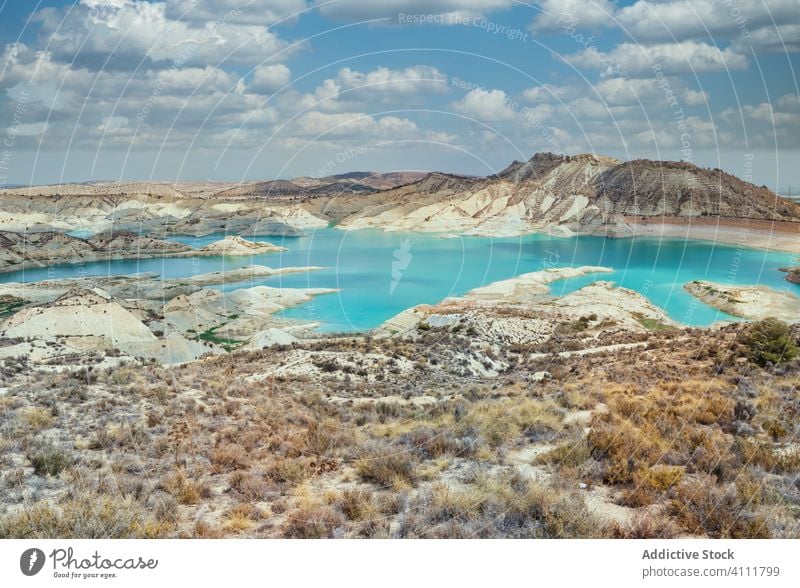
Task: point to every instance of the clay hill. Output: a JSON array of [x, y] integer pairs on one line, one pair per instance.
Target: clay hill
[[585, 194], [582, 193]]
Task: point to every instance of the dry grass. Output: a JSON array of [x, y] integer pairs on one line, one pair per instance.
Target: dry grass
[[697, 439]]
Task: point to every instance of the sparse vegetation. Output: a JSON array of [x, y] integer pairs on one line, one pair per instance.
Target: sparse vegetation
[[211, 336], [664, 447]]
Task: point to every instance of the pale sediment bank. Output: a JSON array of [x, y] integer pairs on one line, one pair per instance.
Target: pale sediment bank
[[233, 246], [749, 302], [750, 233]]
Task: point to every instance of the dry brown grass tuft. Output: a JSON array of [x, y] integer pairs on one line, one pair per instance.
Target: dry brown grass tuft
[[704, 508]]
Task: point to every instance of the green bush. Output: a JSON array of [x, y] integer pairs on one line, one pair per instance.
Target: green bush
[[769, 341]]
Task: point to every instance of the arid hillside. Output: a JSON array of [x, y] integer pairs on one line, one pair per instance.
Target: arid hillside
[[581, 193], [569, 194], [661, 433]]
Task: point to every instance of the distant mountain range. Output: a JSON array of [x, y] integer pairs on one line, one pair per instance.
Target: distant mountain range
[[581, 193]]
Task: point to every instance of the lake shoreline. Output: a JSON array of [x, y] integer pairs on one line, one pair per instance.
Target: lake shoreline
[[378, 276], [753, 234], [749, 233]]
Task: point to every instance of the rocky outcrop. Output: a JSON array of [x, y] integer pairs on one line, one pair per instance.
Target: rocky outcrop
[[233, 316], [241, 274], [521, 311], [269, 338], [235, 246], [20, 250], [749, 302], [92, 321], [25, 250], [79, 313], [792, 274], [171, 321], [531, 284]]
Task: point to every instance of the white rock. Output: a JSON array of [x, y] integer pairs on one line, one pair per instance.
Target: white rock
[[540, 376], [270, 338]]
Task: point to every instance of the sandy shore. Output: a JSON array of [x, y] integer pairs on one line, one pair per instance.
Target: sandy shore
[[749, 302], [759, 234]]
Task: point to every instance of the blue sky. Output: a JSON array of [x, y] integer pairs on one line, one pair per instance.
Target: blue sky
[[219, 89]]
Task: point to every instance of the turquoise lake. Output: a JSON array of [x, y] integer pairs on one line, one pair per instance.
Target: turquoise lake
[[380, 274]]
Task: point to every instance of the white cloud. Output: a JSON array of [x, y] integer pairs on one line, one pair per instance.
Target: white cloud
[[645, 92], [353, 125], [262, 12], [550, 93], [685, 19], [485, 105], [351, 89], [672, 58], [111, 105], [557, 15], [767, 124], [410, 80], [127, 34], [356, 10], [781, 39], [269, 78]]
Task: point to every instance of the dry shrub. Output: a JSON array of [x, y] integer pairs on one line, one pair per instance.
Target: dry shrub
[[508, 506], [326, 438], [48, 459], [625, 447], [356, 504], [753, 452], [652, 483], [312, 519], [646, 526], [503, 421], [229, 457], [184, 489], [240, 517], [704, 508], [751, 488], [570, 454], [36, 418], [205, 530], [288, 473], [387, 465], [430, 442], [248, 485], [88, 516], [712, 452]]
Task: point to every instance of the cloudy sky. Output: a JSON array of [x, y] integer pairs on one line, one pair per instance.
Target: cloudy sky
[[232, 90]]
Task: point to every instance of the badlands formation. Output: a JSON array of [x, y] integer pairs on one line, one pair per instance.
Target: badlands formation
[[581, 194], [505, 412], [233, 246], [522, 311], [177, 320], [67, 323]]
